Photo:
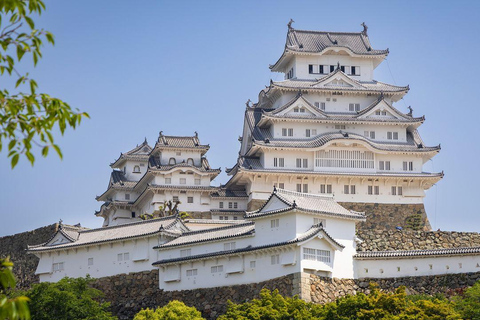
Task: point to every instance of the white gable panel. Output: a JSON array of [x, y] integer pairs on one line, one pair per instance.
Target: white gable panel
[[44, 265], [274, 204], [58, 239], [141, 251]]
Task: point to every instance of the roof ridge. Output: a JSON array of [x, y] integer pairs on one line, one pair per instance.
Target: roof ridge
[[305, 195], [219, 228], [130, 224]]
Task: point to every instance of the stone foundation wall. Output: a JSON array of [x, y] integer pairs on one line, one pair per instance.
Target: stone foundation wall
[[390, 216], [383, 240], [129, 293], [25, 264], [327, 290]]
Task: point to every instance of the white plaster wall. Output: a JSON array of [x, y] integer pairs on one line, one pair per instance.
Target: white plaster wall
[[241, 203], [264, 270], [135, 176], [425, 266], [105, 260], [183, 156]]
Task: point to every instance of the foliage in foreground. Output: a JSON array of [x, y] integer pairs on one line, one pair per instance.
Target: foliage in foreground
[[27, 119], [11, 308], [174, 310], [67, 299], [375, 305]]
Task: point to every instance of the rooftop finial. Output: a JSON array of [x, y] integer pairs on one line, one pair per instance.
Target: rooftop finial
[[60, 223], [410, 113], [196, 134], [274, 189], [294, 204], [338, 65], [290, 24], [248, 103], [145, 142], [365, 28], [160, 133]]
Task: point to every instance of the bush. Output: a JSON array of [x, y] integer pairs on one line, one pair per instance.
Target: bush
[[174, 310], [67, 299]]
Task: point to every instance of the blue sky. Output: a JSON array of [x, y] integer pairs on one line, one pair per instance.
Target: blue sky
[[185, 66]]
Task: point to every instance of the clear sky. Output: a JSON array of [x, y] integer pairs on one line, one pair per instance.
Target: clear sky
[[139, 67]]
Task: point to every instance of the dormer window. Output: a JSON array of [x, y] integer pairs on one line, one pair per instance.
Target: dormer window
[[380, 113], [302, 110], [172, 161], [136, 169], [295, 109]]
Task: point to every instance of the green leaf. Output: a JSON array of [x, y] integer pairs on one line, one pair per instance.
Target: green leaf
[[15, 160], [33, 86], [20, 52], [45, 151], [50, 37], [57, 149], [30, 22], [12, 144], [30, 157]]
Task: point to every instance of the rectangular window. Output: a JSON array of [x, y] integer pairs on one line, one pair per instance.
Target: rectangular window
[[216, 269], [352, 71], [305, 188], [352, 189], [220, 205], [377, 190], [342, 68], [229, 246], [354, 107], [58, 266], [394, 191], [235, 205], [185, 253], [295, 109], [183, 180], [275, 259], [381, 165], [320, 67], [192, 272], [299, 187], [410, 166], [389, 135], [346, 189], [275, 162], [253, 264], [299, 163], [316, 255], [302, 110], [197, 182], [284, 132], [310, 68], [305, 163], [126, 256], [235, 218], [189, 199], [307, 133], [400, 191], [329, 188], [281, 162], [332, 68], [395, 136], [133, 214], [220, 217], [274, 223], [230, 205], [340, 126], [127, 196], [120, 257], [322, 188], [90, 261], [290, 132], [405, 165], [322, 106], [175, 199], [372, 134], [168, 180], [370, 190], [314, 132], [387, 165], [225, 218]]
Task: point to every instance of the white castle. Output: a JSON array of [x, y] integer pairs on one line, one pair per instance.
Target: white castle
[[324, 140]]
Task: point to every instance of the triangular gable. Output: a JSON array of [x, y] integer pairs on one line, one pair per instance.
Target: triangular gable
[[381, 110], [58, 238], [141, 149], [274, 203], [337, 79], [298, 106], [322, 235]]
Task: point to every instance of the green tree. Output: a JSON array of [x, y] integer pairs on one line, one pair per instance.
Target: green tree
[[174, 310], [28, 119], [67, 299], [468, 304], [11, 308]]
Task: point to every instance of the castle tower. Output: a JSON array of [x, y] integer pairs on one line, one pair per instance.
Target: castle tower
[[330, 128]]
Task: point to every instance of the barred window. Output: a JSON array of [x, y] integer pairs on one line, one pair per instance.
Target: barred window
[[316, 255]]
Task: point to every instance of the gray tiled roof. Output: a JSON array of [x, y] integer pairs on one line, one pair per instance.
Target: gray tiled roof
[[114, 233], [312, 232], [317, 41], [226, 193], [154, 164], [416, 253], [367, 86], [119, 180], [139, 153], [214, 234], [180, 142], [308, 203], [409, 146]]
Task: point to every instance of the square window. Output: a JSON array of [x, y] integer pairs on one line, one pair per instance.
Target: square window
[[168, 180], [314, 132], [281, 185], [274, 223], [220, 204], [275, 259], [253, 264], [189, 199], [192, 272], [230, 205], [185, 253], [183, 180], [175, 199], [197, 182]]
